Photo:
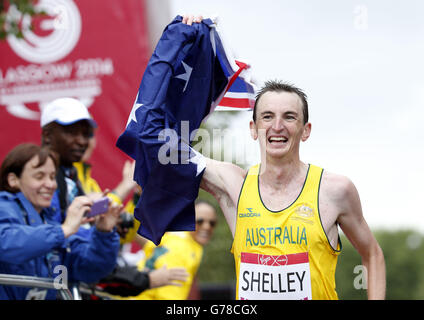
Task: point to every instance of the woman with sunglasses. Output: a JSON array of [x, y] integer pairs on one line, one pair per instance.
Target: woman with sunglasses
[[179, 249]]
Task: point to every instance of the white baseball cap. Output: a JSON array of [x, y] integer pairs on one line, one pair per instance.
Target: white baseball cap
[[65, 111]]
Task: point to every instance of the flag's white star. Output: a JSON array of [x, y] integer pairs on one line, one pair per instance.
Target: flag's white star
[[185, 76], [198, 159], [133, 110]]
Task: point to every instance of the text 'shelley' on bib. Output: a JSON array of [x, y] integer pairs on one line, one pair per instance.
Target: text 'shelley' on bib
[[267, 277]]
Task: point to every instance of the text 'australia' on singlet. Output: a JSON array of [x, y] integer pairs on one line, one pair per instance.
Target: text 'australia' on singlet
[[283, 254]]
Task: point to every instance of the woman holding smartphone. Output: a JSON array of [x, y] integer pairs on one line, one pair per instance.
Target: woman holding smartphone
[[32, 243]]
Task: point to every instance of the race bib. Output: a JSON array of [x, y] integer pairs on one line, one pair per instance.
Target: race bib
[[267, 277]]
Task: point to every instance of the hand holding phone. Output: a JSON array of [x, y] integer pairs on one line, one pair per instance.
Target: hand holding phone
[[100, 206]]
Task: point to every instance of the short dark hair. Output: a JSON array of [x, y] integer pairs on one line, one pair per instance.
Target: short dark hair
[[16, 159], [280, 86]]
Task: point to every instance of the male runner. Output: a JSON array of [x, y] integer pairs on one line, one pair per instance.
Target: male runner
[[284, 214], [284, 207]]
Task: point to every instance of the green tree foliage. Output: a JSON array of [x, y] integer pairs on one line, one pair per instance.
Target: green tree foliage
[[404, 256], [10, 24]]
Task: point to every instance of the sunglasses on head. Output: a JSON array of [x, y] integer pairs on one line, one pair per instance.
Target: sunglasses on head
[[200, 221]]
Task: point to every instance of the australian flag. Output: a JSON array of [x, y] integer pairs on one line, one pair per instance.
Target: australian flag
[[185, 79]]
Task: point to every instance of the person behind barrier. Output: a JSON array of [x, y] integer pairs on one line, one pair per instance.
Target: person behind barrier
[[125, 280], [66, 127], [180, 249], [32, 242]]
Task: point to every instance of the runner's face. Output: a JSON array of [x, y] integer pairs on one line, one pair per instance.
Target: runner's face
[[205, 223], [279, 124], [38, 184]]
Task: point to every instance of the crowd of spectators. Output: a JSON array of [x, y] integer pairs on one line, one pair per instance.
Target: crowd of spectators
[[46, 192]]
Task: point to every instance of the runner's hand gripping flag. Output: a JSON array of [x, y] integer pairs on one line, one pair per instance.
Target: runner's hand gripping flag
[[186, 79]]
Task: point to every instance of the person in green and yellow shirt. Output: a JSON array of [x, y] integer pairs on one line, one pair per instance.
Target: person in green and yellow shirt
[[179, 249]]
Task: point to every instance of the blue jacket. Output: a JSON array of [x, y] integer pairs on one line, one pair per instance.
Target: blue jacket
[[33, 244]]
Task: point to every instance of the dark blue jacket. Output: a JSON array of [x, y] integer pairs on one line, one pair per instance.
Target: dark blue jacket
[[33, 244]]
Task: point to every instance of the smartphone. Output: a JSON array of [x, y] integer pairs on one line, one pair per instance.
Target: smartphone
[[100, 206]]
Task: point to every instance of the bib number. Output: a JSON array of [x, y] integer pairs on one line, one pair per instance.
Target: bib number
[[268, 277]]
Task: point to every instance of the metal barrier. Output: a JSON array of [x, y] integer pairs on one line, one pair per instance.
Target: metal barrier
[[36, 282], [85, 288]]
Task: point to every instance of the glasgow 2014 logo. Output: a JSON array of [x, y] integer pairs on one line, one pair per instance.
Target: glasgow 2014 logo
[[61, 32], [49, 71]]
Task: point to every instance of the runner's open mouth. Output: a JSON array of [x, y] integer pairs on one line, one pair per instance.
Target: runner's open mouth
[[277, 139]]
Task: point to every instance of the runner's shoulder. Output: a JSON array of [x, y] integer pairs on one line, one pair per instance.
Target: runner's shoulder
[[336, 186], [227, 170]]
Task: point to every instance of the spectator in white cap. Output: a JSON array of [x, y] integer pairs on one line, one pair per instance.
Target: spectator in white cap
[[71, 118], [66, 128]]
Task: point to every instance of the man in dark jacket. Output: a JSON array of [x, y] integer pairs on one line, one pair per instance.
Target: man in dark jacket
[[66, 128]]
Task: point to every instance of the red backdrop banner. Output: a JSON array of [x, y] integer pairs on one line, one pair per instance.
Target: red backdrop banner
[[95, 51]]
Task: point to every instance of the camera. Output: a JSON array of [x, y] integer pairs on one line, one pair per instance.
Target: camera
[[127, 220]]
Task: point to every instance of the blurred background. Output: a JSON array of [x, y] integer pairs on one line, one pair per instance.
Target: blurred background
[[360, 63]]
